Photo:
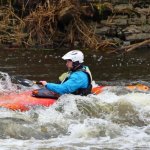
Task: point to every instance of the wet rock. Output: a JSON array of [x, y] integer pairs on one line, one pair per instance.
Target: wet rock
[[146, 28], [123, 6], [144, 11], [120, 33], [119, 21], [126, 43], [132, 29], [148, 20], [102, 30], [137, 20], [136, 37], [117, 41]]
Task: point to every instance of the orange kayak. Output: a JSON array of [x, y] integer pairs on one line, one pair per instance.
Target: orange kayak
[[138, 87], [24, 101]]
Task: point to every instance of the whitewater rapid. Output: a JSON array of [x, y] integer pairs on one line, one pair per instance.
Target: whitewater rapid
[[110, 120]]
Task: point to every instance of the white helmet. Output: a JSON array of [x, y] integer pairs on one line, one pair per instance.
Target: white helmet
[[74, 55]]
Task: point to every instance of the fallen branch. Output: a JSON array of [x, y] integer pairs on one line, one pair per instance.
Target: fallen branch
[[136, 45]]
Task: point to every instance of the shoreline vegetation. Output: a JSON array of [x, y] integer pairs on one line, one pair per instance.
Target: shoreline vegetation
[[104, 26]]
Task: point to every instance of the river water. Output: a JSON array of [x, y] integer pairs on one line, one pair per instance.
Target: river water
[[114, 119]]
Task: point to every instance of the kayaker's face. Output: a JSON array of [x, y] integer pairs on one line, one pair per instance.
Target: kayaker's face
[[69, 64]]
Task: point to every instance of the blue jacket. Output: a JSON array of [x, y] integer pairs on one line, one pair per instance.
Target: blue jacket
[[76, 80]]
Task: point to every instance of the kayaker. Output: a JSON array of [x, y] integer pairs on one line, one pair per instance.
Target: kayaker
[[78, 78]]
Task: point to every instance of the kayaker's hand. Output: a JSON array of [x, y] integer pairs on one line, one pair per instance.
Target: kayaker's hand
[[43, 82]]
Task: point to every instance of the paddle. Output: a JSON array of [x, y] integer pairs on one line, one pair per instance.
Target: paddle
[[29, 83], [26, 82]]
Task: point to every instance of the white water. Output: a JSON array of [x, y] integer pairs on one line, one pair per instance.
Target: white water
[[105, 121]]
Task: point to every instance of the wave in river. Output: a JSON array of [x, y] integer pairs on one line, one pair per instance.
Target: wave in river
[[110, 120]]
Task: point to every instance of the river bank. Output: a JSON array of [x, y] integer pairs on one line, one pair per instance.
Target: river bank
[[108, 25]]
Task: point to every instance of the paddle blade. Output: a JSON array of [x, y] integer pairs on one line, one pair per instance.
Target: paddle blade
[[26, 82]]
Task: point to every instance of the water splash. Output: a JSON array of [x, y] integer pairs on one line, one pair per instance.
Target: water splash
[[5, 83], [10, 84], [79, 122]]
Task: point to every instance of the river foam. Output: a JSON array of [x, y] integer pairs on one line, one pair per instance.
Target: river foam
[[109, 120]]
